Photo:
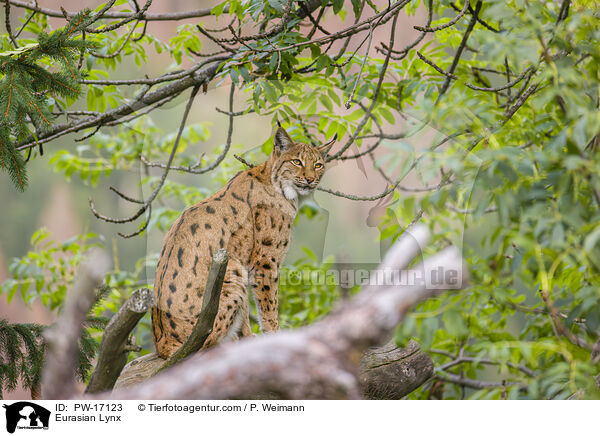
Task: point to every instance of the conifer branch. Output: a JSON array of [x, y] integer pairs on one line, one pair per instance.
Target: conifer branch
[[25, 85]]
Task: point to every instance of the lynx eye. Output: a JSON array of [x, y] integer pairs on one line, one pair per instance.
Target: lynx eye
[[318, 165], [296, 162]]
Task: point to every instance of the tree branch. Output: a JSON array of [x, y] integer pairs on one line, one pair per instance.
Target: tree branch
[[475, 384], [193, 169], [375, 95], [173, 16], [460, 49], [8, 26], [450, 23], [197, 78], [115, 345]]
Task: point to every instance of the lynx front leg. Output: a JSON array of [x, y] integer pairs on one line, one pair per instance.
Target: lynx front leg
[[229, 321], [266, 297], [234, 307], [246, 329], [272, 227]]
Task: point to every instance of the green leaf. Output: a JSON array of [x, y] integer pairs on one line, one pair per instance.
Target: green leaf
[[91, 100], [592, 239], [454, 323], [218, 9], [274, 61], [337, 6], [322, 62]]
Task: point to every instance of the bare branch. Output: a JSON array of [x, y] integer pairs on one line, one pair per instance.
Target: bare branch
[[476, 384], [136, 16], [564, 10], [25, 23], [479, 19], [121, 47], [519, 102], [8, 26], [173, 16], [381, 18], [316, 24], [525, 73], [401, 54], [362, 66], [460, 48], [450, 23], [457, 360], [197, 78], [244, 161], [161, 182], [375, 95], [193, 169], [188, 169]]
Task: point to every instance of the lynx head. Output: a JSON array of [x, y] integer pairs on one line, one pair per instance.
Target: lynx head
[[297, 168]]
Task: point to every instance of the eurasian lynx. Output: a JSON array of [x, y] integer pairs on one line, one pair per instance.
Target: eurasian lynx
[[251, 217]]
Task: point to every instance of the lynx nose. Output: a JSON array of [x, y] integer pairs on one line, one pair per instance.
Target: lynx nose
[[309, 180]]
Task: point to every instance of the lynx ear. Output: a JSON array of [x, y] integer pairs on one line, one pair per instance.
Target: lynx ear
[[281, 141], [324, 149]]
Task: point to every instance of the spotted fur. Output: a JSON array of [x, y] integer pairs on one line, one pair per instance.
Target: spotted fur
[[251, 216]]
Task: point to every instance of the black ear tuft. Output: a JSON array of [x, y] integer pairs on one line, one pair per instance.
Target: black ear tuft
[[324, 149], [282, 141]]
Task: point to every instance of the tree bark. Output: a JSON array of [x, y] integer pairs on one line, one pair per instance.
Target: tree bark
[[114, 350], [390, 372]]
